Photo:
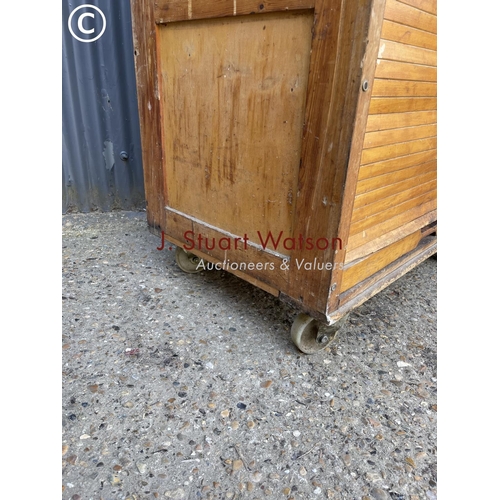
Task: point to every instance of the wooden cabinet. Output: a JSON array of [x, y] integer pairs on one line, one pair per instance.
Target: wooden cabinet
[[292, 142]]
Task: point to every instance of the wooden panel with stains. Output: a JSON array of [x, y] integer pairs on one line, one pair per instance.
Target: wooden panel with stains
[[233, 96]]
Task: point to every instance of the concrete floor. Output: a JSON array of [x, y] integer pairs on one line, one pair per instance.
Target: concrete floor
[[188, 386]]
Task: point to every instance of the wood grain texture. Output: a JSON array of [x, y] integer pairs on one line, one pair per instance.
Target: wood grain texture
[[233, 94], [396, 190], [143, 28], [168, 11], [368, 266], [363, 104], [393, 200], [405, 71], [395, 164], [393, 136], [425, 5], [410, 16], [402, 88], [424, 214], [401, 229], [370, 197], [380, 181], [400, 120], [408, 36], [373, 155], [390, 212], [338, 55], [383, 105], [361, 292], [395, 51]]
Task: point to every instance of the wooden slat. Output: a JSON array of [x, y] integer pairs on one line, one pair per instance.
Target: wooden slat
[[356, 144], [383, 105], [409, 36], [334, 100], [402, 88], [168, 11], [361, 292], [178, 224], [145, 52], [400, 120], [405, 71], [409, 16], [377, 231], [383, 192], [373, 155], [380, 181], [393, 136], [425, 5], [392, 211], [395, 51], [401, 229], [431, 229], [370, 265], [385, 167], [390, 201]]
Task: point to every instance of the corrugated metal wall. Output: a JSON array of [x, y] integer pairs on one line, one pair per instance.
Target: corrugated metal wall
[[100, 117]]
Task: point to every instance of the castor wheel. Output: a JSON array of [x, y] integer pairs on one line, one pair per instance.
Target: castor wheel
[[311, 336], [187, 261]]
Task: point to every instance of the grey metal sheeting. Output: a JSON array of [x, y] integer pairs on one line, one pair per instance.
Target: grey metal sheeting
[[100, 116]]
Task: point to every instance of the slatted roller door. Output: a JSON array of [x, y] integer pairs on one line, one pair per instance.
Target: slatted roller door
[[396, 189]]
